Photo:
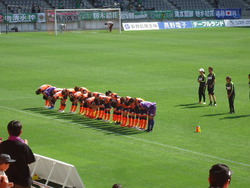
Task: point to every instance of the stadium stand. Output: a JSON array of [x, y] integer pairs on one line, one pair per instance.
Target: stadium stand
[[29, 6], [191, 4]]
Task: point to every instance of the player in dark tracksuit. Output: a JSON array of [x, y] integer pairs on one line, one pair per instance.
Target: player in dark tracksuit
[[230, 93], [210, 86], [249, 84], [202, 87]]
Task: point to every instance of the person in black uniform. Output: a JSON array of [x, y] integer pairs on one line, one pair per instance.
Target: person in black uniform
[[18, 172], [210, 86], [230, 93], [249, 84], [202, 86]]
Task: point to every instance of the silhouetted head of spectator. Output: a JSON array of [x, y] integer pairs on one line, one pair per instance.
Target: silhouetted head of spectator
[[15, 128], [219, 176], [117, 185]]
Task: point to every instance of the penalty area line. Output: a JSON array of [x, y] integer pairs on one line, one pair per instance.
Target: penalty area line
[[134, 138]]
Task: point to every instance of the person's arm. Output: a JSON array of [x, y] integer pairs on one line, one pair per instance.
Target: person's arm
[[232, 90], [4, 182]]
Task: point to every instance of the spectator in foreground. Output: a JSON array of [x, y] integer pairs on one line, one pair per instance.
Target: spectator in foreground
[[18, 149], [219, 176], [117, 185], [5, 162]]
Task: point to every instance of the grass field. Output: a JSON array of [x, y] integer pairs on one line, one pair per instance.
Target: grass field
[[159, 66]]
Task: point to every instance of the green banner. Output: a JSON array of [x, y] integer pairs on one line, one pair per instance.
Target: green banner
[[160, 14], [194, 13], [208, 23], [135, 15], [99, 15], [17, 18]]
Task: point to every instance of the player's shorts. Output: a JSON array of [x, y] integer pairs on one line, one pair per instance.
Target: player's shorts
[[210, 90], [152, 110], [107, 105]]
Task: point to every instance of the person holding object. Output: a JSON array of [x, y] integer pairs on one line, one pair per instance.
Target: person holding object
[[18, 149]]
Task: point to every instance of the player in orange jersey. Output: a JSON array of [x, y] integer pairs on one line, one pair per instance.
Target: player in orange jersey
[[62, 95], [41, 90]]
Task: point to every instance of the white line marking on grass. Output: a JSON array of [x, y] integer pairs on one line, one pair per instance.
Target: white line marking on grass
[[134, 138]]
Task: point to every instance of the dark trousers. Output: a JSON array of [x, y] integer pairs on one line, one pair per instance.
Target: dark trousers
[[201, 93], [231, 103]]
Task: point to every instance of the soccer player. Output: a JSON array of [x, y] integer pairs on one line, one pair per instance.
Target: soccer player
[[62, 96], [210, 86], [230, 94], [41, 90], [249, 84], [48, 94], [151, 113], [110, 25], [202, 86]]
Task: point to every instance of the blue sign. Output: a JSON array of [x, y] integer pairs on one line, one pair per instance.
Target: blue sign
[[175, 25], [228, 13]]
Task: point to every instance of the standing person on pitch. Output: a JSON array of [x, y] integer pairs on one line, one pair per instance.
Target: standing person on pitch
[[230, 93], [249, 84], [202, 86], [210, 86]]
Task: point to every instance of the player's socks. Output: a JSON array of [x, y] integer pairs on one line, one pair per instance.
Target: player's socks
[[124, 121], [132, 122], [136, 121], [141, 122], [119, 117], [108, 116], [47, 103], [101, 114], [81, 110], [62, 107], [114, 117], [144, 124]]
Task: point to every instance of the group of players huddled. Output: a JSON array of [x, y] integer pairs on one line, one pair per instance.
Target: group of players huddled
[[109, 107]]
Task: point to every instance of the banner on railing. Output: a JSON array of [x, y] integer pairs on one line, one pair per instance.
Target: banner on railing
[[237, 23], [175, 25], [17, 18], [135, 15], [208, 23], [194, 13], [140, 26], [228, 13]]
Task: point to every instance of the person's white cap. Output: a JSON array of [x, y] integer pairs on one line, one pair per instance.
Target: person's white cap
[[201, 70]]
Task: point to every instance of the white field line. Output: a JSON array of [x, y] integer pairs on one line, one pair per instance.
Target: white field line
[[134, 138]]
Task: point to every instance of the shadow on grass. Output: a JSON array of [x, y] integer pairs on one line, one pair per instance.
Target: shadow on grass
[[85, 122], [191, 105], [236, 117], [211, 115]]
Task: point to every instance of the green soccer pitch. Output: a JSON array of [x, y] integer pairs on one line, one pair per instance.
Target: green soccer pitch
[[158, 66]]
